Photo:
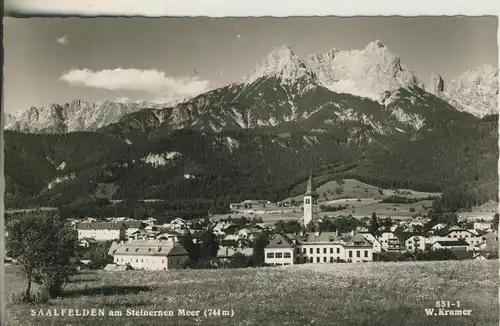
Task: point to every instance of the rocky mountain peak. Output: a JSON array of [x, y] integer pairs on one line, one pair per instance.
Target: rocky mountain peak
[[283, 64], [475, 91]]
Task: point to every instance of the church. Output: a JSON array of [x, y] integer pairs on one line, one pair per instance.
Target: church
[[316, 247]]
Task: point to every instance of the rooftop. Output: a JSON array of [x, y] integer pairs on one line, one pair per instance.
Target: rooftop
[[150, 248], [100, 226]]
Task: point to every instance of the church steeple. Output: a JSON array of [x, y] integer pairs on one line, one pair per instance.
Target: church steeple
[[310, 191], [309, 197]]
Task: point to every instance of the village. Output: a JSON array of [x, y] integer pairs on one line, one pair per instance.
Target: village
[[148, 245]]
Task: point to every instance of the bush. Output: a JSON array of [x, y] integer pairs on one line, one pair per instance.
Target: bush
[[38, 296], [412, 209]]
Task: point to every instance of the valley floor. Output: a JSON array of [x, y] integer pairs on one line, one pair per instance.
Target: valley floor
[[311, 294]]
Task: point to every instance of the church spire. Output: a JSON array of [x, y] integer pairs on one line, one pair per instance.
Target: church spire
[[310, 191]]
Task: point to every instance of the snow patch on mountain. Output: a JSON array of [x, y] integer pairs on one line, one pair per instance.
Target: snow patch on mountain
[[61, 166], [232, 143], [158, 160], [414, 120], [59, 180]]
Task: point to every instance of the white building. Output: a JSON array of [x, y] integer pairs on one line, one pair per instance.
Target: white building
[[415, 243], [389, 241], [132, 226], [317, 248], [309, 198], [151, 255], [87, 242], [101, 231], [149, 221], [377, 246], [457, 233], [452, 245], [483, 226], [178, 224], [171, 236], [280, 251], [438, 226]]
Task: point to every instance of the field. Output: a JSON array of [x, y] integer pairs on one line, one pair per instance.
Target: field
[[357, 209], [356, 189], [367, 206], [330, 294]]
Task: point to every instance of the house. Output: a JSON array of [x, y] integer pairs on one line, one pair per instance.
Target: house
[[415, 226], [414, 242], [456, 233], [317, 247], [142, 235], [358, 249], [259, 227], [452, 245], [230, 240], [87, 242], [482, 226], [132, 226], [438, 226], [101, 231], [151, 255], [390, 241], [114, 245], [230, 229], [235, 206], [170, 235], [247, 234], [280, 251], [178, 224], [149, 221], [255, 203], [377, 246]]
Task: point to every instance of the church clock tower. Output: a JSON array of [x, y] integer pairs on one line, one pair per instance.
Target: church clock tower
[[309, 198]]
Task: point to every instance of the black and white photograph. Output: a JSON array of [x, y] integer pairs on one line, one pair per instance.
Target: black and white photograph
[[316, 170]]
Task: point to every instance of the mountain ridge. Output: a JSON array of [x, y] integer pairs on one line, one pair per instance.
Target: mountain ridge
[[373, 72], [257, 137]]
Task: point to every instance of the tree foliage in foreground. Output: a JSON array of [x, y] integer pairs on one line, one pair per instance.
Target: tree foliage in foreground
[[45, 248]]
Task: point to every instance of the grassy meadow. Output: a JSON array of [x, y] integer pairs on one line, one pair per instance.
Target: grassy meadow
[[330, 294], [357, 189]]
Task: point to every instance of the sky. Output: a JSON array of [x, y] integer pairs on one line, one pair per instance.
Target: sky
[[56, 60]]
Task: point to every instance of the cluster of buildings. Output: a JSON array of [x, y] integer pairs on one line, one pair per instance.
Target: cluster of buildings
[[137, 244], [151, 246], [362, 246]]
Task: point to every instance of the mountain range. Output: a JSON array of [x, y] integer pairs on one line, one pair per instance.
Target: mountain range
[[359, 113]]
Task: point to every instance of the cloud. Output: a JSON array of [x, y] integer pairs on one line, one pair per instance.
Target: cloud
[[63, 39], [153, 81]]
